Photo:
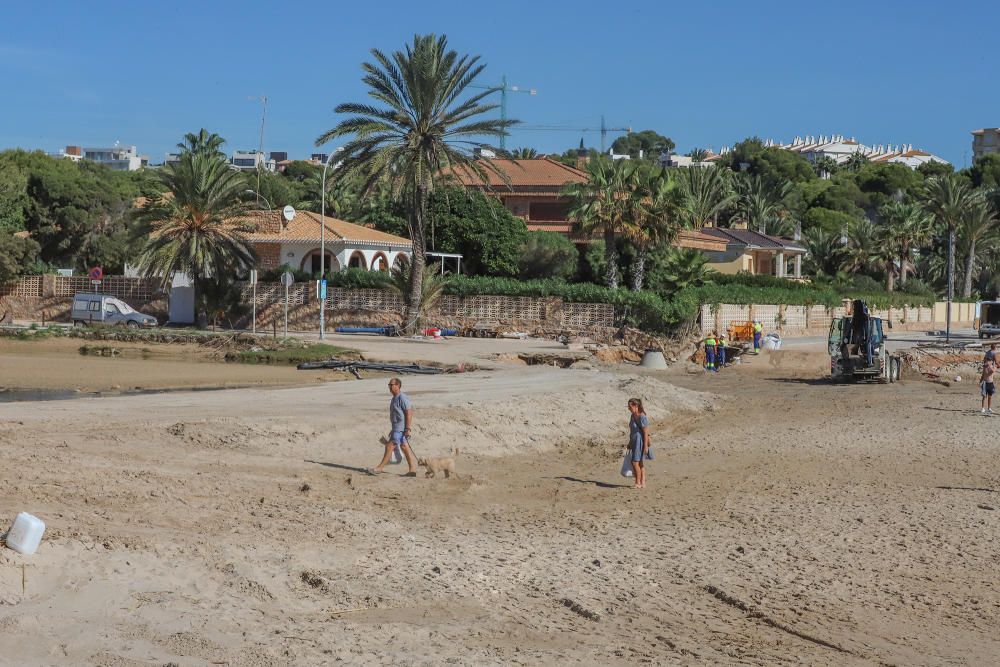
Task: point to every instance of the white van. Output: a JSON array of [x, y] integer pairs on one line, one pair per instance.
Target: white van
[[988, 318], [101, 309]]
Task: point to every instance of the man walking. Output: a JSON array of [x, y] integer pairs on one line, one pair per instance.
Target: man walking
[[758, 329], [401, 420]]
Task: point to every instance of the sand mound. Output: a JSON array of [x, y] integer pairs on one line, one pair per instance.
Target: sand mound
[[597, 411]]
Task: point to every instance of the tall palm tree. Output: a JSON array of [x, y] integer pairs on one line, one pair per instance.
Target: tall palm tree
[[524, 154], [192, 227], [697, 154], [707, 192], [825, 254], [948, 197], [977, 228], [202, 143], [862, 246], [599, 206], [418, 130], [825, 166], [652, 217], [910, 229], [855, 162], [759, 203]]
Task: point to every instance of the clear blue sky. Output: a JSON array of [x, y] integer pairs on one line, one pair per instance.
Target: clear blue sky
[[706, 74]]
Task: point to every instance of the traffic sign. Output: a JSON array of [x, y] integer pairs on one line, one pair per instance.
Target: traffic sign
[[322, 288], [253, 276], [287, 279], [96, 274]]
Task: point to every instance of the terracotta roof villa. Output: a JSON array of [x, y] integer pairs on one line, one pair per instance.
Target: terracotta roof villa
[[753, 252], [532, 192], [297, 243]]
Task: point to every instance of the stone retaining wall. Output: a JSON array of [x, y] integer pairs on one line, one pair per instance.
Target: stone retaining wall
[[804, 320]]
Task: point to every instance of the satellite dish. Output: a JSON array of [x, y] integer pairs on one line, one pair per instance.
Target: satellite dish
[[288, 212]]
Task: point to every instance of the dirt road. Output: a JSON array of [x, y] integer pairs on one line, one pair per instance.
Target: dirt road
[[786, 521]]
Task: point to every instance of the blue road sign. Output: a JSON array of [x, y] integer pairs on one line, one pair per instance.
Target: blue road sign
[[322, 288]]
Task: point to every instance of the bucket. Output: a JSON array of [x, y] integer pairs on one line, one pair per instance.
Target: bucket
[[26, 534], [653, 359]]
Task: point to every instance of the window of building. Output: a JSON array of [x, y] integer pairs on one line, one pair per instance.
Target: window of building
[[357, 260], [548, 211]]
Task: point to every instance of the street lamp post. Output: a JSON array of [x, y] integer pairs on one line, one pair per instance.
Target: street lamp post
[[322, 246], [254, 192]]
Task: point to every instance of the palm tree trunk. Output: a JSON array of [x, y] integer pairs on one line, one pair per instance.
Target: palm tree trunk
[[951, 279], [639, 268], [969, 262], [417, 224], [903, 268], [611, 258], [890, 281]]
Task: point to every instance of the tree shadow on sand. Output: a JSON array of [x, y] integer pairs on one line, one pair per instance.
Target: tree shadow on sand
[[603, 485]]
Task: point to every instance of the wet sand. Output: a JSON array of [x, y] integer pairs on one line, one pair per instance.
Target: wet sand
[[56, 364]]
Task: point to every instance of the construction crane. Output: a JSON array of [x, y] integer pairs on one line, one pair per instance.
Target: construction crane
[[603, 129], [503, 88]]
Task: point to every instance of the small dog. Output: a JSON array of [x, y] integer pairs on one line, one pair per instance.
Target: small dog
[[441, 464]]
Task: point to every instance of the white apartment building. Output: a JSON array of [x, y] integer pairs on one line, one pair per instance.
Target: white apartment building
[[840, 149], [251, 160], [986, 140], [119, 158]]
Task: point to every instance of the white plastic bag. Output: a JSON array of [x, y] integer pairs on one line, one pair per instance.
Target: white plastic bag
[[397, 455], [627, 465]]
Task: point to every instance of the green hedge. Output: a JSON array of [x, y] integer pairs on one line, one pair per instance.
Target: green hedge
[[663, 313]]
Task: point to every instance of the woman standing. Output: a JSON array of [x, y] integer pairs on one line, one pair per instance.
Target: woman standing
[[638, 440]]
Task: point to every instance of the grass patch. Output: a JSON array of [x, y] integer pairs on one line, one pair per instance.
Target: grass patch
[[291, 355]]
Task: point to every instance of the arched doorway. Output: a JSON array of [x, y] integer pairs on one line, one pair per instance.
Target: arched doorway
[[380, 262], [311, 262], [357, 260]]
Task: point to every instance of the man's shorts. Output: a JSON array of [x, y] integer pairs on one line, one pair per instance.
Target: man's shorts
[[987, 388], [398, 437]]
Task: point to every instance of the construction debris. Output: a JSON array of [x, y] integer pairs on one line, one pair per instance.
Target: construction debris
[[355, 367]]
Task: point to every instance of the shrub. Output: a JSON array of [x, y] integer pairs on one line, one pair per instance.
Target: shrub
[[547, 255]]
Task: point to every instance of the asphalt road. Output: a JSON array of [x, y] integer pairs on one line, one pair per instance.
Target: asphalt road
[[896, 340]]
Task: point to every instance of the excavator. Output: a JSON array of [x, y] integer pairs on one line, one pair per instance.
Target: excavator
[[857, 348]]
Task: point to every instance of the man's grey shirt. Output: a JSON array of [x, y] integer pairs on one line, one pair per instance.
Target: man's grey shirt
[[398, 406]]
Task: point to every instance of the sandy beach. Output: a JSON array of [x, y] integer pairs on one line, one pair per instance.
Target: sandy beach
[[786, 521]]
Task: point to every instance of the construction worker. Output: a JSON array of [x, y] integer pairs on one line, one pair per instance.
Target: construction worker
[[721, 351], [710, 344], [758, 329]]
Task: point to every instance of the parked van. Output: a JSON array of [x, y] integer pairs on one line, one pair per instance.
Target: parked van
[[988, 318], [101, 309]]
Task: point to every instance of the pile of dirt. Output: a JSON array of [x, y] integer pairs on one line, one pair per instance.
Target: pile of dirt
[[939, 360]]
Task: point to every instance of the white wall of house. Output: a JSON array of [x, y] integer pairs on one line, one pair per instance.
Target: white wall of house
[[293, 254]]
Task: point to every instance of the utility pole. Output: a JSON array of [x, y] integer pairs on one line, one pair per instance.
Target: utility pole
[[503, 88], [260, 146]]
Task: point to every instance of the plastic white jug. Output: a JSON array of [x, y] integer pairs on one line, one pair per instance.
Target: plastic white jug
[[26, 534]]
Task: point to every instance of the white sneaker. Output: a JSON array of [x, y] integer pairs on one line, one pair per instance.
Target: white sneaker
[[989, 411], [983, 411]]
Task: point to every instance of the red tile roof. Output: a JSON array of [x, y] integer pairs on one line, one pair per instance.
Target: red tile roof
[[306, 227], [538, 173]]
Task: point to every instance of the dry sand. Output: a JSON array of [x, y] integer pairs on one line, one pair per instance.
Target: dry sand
[[787, 520]]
